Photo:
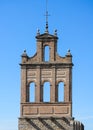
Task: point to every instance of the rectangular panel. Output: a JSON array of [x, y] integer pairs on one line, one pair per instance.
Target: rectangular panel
[[28, 110], [45, 110], [46, 73], [31, 73], [61, 110], [61, 73]]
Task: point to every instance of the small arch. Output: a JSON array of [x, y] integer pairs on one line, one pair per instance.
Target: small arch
[[46, 92], [32, 92], [62, 80], [46, 80], [46, 53], [61, 92]]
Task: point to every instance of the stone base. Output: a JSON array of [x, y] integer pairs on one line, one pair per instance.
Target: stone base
[[49, 123]]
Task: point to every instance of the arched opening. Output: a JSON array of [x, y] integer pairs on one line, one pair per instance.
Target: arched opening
[[32, 92], [61, 92], [46, 92], [46, 54]]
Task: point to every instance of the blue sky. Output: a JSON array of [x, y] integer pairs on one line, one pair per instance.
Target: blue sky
[[19, 20]]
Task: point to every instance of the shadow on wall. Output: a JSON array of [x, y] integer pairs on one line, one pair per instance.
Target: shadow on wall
[[49, 124]]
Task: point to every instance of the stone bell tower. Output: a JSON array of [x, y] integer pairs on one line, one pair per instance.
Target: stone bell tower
[[52, 77]]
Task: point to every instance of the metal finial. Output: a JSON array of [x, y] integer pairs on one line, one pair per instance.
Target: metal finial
[[46, 31]]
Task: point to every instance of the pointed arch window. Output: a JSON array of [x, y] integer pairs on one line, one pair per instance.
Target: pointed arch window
[[46, 92], [32, 92], [46, 53], [61, 92]]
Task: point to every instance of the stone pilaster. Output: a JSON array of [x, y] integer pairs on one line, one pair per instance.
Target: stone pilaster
[[53, 90], [38, 85]]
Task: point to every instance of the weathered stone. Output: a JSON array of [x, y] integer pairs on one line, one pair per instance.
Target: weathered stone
[[53, 115]]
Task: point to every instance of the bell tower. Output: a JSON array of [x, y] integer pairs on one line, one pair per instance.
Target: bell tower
[[54, 114], [56, 70], [50, 77]]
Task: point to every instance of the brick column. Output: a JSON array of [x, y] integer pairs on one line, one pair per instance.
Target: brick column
[[39, 51], [53, 93], [23, 85], [66, 87], [52, 52], [38, 84]]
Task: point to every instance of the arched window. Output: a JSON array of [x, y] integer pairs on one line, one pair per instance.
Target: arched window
[[46, 92], [61, 92], [46, 53], [32, 92]]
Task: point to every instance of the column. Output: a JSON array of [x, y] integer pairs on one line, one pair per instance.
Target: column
[[53, 85], [23, 85], [38, 84]]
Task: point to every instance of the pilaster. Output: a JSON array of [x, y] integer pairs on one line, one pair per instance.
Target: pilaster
[[38, 85]]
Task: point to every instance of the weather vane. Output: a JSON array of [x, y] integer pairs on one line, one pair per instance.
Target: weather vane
[[46, 17]]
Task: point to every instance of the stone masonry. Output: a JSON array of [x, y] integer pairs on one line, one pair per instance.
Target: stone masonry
[[53, 115]]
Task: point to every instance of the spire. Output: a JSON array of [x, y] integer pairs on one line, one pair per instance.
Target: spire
[[46, 31]]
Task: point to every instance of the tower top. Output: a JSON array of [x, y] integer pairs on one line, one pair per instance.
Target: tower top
[[46, 31]]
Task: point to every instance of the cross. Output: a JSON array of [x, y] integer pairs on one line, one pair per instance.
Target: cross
[[46, 18]]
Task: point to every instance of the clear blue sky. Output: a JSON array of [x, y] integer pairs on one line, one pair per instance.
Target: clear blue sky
[[19, 20]]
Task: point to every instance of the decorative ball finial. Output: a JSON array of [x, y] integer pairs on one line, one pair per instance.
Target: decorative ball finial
[[24, 53], [68, 52], [55, 32], [38, 32]]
